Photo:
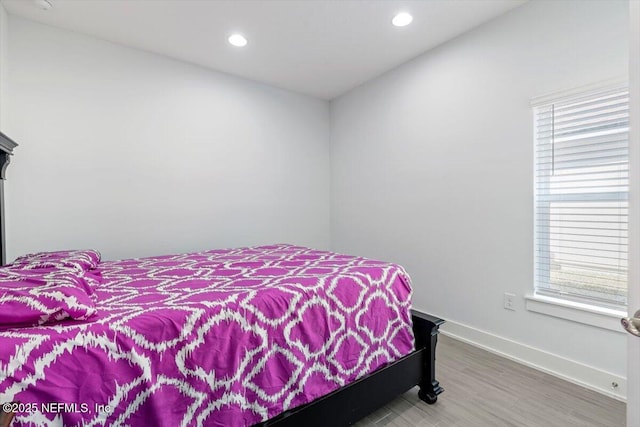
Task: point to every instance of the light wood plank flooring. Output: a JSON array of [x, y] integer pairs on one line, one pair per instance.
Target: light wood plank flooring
[[482, 389]]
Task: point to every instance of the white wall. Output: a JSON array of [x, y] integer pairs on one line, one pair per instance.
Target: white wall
[[4, 32], [432, 167], [136, 154]]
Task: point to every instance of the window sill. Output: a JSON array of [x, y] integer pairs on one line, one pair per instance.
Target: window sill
[[605, 318]]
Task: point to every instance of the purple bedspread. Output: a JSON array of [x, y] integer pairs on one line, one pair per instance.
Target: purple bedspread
[[219, 338]]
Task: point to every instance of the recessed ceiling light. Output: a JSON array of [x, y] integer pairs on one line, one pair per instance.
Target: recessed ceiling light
[[402, 19], [43, 4], [238, 40]]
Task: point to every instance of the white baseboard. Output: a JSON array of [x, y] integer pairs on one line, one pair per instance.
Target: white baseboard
[[566, 369]]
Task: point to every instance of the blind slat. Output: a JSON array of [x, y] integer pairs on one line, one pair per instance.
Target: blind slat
[[548, 241]]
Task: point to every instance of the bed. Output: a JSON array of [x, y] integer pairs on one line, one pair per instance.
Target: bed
[[268, 335]]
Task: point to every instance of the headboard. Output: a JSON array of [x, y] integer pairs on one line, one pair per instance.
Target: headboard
[[6, 150]]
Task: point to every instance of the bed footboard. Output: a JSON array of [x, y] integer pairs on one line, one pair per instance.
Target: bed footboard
[[425, 330]]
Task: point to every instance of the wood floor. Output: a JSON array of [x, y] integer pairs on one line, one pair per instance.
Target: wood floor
[[482, 389]]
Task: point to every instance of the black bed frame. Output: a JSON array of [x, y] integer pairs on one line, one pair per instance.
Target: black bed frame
[[348, 404]]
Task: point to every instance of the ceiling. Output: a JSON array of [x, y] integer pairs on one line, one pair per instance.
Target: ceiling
[[321, 48]]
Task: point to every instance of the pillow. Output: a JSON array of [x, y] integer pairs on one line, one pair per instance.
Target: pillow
[[81, 260], [80, 263], [33, 300], [91, 278]]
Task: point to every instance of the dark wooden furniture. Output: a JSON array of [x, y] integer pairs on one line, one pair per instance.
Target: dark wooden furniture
[[348, 404], [6, 149]]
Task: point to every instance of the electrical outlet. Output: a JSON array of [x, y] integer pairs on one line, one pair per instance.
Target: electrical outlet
[[509, 301]]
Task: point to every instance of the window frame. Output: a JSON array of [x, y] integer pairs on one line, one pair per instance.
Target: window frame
[[540, 296]]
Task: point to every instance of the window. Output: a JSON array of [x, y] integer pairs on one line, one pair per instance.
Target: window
[[581, 196]]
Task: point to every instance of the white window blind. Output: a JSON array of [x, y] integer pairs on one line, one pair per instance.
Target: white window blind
[[581, 196]]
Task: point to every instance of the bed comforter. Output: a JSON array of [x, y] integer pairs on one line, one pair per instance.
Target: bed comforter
[[219, 338]]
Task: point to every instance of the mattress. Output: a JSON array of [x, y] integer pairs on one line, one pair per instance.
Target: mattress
[[220, 338]]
